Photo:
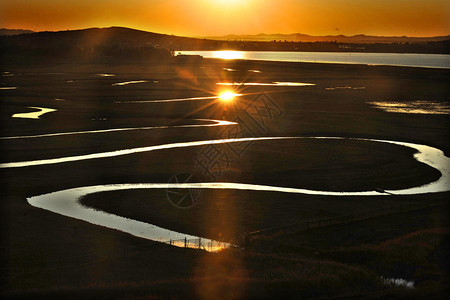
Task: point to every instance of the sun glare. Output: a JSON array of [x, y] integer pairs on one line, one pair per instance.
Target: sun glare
[[227, 96], [228, 3], [229, 54]]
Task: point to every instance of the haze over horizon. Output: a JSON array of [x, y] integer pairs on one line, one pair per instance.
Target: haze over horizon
[[201, 18]]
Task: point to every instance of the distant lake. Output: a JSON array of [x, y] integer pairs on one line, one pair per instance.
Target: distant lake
[[389, 59]]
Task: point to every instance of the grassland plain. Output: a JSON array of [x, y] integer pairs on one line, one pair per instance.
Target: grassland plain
[[44, 254]]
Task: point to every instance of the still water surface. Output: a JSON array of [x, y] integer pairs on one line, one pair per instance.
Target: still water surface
[[389, 59]]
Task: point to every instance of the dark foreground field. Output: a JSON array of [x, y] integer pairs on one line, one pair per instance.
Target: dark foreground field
[[48, 255]]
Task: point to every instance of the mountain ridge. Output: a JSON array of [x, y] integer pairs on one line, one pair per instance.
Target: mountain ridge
[[118, 38], [268, 37], [301, 37]]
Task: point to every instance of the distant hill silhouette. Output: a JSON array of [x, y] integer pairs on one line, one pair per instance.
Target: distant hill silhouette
[[125, 44], [360, 38], [4, 31], [95, 37], [93, 44]]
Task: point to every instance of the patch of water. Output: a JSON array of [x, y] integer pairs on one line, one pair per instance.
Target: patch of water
[[413, 107], [213, 123], [176, 99], [106, 75], [431, 156], [67, 203], [34, 114], [345, 88], [128, 82], [399, 282], [265, 84], [389, 59]]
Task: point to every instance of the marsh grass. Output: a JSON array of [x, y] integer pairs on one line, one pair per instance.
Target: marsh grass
[[418, 256]]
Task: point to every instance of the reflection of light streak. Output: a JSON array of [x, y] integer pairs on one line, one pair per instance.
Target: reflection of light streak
[[67, 203], [34, 114], [176, 99], [106, 75], [426, 154], [265, 84], [215, 123], [124, 152], [228, 54], [171, 100], [129, 82], [413, 107]]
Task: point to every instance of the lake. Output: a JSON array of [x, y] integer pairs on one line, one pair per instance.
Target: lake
[[389, 59]]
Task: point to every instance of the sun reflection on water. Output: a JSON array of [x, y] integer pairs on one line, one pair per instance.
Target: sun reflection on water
[[229, 54], [227, 96]]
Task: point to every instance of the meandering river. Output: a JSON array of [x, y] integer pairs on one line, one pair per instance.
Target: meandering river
[[66, 202]]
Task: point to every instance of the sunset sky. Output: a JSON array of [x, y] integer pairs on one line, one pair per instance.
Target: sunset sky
[[220, 17]]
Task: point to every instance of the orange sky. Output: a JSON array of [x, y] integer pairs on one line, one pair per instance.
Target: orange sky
[[220, 17]]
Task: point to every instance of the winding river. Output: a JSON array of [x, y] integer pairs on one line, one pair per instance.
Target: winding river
[[66, 202]]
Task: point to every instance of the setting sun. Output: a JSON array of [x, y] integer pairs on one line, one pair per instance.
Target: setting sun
[[227, 2], [201, 18]]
